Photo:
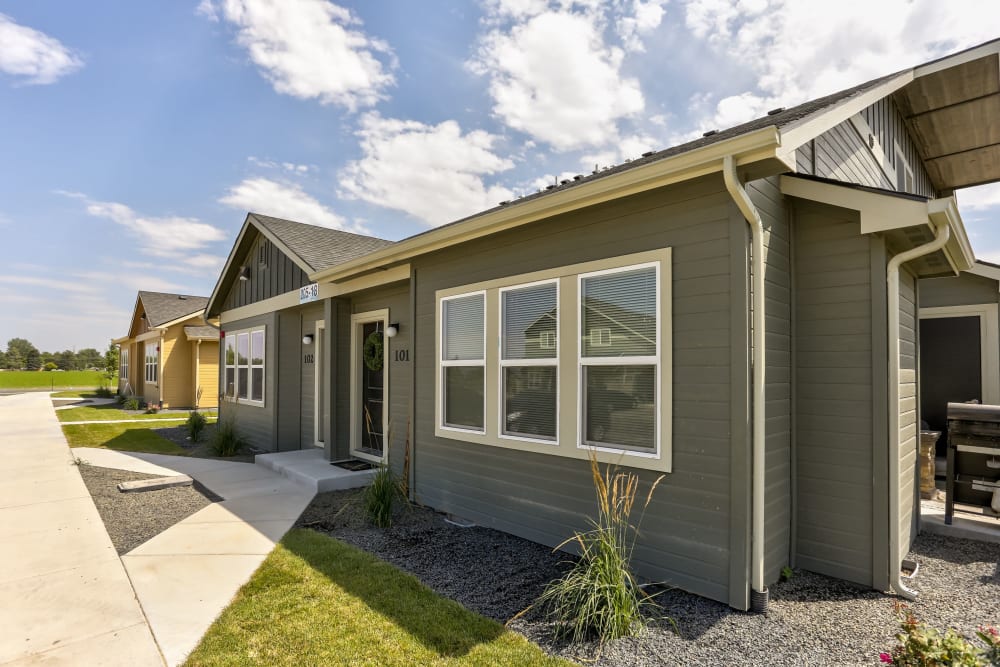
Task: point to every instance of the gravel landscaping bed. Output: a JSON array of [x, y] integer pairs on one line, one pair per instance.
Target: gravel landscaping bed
[[201, 449], [812, 619], [134, 518]]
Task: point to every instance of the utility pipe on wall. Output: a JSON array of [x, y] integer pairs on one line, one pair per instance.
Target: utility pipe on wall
[[941, 236], [759, 592]]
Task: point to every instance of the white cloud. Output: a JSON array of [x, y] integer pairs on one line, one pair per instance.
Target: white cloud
[[552, 73], [47, 283], [980, 197], [803, 50], [645, 17], [289, 167], [310, 49], [283, 200], [33, 55], [168, 237], [433, 172]]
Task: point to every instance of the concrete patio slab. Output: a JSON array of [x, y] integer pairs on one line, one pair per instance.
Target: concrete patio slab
[[311, 469], [62, 584]]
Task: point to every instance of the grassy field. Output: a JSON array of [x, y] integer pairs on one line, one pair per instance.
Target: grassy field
[[318, 601], [111, 412], [76, 393], [49, 379], [121, 437]]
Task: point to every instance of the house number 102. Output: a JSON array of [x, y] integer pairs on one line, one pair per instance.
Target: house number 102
[[402, 355]]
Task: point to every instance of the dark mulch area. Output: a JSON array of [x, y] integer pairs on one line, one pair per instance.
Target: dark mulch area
[[812, 619], [134, 518], [492, 573], [201, 449]]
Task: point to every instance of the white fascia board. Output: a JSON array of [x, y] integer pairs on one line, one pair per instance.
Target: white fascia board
[[958, 248], [228, 265], [879, 213], [184, 318], [989, 48], [985, 271], [805, 129]]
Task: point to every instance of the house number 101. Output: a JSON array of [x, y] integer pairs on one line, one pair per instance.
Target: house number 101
[[402, 355]]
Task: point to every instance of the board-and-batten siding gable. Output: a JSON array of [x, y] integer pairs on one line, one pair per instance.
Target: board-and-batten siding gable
[[844, 154], [272, 273]]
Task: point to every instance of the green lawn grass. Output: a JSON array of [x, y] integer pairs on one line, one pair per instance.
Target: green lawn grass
[[49, 379], [317, 601], [111, 411], [120, 437], [76, 393]]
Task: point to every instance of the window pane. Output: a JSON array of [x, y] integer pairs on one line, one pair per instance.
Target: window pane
[[231, 351], [619, 314], [620, 406], [242, 348], [257, 348], [530, 401], [257, 391], [241, 385], [463, 396], [529, 322], [230, 381], [463, 327]]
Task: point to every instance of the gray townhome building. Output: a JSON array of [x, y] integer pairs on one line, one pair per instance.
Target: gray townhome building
[[737, 313]]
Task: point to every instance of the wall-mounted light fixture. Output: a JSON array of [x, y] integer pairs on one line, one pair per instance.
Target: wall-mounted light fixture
[[245, 273], [392, 330], [307, 339]]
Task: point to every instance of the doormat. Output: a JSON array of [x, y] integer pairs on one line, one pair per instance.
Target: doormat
[[354, 465]]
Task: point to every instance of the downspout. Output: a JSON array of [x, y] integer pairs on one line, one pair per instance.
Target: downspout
[[941, 236], [759, 592]]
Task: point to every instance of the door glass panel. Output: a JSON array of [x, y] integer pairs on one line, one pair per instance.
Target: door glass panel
[[372, 393]]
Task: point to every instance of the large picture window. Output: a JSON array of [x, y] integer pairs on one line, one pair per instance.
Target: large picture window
[[529, 360], [463, 361], [619, 357], [244, 366], [152, 363], [571, 361]]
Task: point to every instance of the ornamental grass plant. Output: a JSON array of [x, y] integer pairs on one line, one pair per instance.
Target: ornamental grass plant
[[381, 496], [227, 441], [600, 598], [195, 425]]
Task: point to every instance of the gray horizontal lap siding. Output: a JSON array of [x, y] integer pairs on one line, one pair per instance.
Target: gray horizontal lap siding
[[777, 288], [908, 412], [962, 290], [686, 531], [833, 419], [256, 424]]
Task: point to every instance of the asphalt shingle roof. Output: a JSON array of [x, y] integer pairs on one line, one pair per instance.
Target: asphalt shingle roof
[[319, 247], [205, 331], [161, 307]]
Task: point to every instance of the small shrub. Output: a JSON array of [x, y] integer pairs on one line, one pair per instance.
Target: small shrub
[[380, 497], [130, 403], [600, 597], [50, 366], [195, 424], [227, 441], [104, 391], [921, 645]]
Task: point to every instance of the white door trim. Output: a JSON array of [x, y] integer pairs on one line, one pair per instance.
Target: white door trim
[[319, 396], [357, 320], [989, 341]]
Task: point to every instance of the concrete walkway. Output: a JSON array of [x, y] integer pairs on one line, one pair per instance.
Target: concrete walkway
[[185, 576], [65, 597]]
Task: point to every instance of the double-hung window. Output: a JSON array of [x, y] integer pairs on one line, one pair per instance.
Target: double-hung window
[[463, 362], [244, 366], [123, 363], [152, 363], [619, 358], [529, 361]]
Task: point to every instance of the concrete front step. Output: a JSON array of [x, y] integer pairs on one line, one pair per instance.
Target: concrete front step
[[311, 469]]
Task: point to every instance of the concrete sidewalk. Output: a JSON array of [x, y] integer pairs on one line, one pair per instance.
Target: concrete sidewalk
[[185, 576], [65, 597]]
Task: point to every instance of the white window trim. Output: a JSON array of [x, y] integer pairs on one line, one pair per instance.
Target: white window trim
[[544, 362], [153, 363], [989, 345], [123, 363], [644, 360], [235, 398], [443, 363], [568, 443]]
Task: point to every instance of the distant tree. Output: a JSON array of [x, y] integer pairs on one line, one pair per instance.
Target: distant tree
[[111, 361], [46, 358], [3, 359], [88, 357], [19, 350], [33, 361], [66, 360], [49, 366]]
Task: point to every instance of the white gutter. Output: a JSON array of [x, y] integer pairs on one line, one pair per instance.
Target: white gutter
[[759, 592], [941, 236]]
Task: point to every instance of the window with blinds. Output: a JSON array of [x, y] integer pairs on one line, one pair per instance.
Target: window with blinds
[[619, 357], [529, 362], [463, 361]]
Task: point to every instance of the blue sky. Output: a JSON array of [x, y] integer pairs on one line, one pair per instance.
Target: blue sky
[[135, 136]]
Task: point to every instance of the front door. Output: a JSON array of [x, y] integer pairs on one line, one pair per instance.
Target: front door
[[369, 391]]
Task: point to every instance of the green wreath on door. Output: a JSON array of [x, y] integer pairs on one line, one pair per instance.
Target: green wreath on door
[[373, 351]]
